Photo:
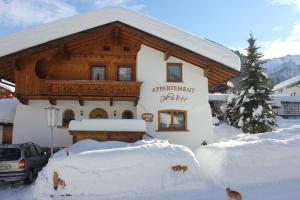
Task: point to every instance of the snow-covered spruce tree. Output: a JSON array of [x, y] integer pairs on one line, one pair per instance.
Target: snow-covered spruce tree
[[250, 107]]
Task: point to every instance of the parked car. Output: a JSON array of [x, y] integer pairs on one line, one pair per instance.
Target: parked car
[[21, 162]]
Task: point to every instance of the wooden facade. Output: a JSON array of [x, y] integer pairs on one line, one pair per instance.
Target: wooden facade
[[61, 69], [107, 136]]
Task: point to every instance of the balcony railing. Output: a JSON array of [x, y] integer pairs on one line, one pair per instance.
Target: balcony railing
[[90, 88]]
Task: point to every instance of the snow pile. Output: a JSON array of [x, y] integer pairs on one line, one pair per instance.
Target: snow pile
[[131, 125], [223, 131], [253, 159], [110, 168], [7, 110]]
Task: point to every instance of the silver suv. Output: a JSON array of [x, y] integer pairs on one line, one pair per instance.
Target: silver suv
[[21, 162]]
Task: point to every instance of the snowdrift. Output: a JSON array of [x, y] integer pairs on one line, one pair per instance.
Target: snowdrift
[[104, 168], [253, 159]]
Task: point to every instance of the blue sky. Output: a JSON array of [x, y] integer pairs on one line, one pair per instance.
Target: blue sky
[[275, 23]]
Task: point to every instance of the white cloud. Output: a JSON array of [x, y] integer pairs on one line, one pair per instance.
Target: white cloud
[[132, 4], [30, 12], [295, 3], [290, 45]]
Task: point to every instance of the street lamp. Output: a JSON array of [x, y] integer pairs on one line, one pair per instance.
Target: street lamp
[[52, 114]]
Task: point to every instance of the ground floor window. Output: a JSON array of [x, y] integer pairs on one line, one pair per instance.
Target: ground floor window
[[98, 113], [172, 120], [67, 117], [291, 108], [127, 114]]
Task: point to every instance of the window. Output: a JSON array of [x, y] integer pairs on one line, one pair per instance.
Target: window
[[67, 117], [291, 108], [172, 120], [174, 72], [30, 152], [124, 73], [98, 113], [98, 72], [127, 114], [106, 48], [126, 48]]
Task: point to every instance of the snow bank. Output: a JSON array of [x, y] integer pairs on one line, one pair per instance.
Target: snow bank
[[253, 159], [132, 125], [7, 110], [104, 168]]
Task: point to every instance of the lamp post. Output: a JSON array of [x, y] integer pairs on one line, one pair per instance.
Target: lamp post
[[52, 114]]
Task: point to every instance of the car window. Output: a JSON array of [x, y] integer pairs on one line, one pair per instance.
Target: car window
[[31, 152], [7, 154], [38, 149]]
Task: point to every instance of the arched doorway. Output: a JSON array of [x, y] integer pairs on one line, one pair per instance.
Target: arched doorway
[[127, 114], [98, 113]]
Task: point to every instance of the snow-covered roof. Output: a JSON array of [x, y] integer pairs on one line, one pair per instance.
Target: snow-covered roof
[[130, 125], [54, 30], [7, 110], [8, 87], [287, 83]]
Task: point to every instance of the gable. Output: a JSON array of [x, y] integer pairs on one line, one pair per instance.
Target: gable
[[113, 32]]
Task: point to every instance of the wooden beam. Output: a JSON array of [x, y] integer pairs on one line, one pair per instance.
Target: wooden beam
[[22, 100], [117, 35], [111, 102], [167, 55], [136, 101], [52, 101], [81, 102]]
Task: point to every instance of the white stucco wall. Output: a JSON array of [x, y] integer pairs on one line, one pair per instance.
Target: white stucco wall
[[30, 120], [291, 90], [30, 123], [151, 70], [1, 134]]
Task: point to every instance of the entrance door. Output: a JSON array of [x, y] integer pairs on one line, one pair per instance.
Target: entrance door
[[7, 134], [98, 113]]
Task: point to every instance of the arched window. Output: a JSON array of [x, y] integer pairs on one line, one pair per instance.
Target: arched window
[[98, 113], [67, 117], [127, 114]]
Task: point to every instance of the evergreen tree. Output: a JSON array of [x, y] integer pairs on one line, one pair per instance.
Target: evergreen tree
[[250, 108]]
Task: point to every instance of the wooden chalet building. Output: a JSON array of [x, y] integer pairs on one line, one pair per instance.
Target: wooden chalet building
[[113, 64]]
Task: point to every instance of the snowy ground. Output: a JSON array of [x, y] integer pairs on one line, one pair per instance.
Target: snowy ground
[[264, 166]]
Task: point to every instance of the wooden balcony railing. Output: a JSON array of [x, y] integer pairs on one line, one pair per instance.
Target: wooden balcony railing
[[84, 90], [91, 88]]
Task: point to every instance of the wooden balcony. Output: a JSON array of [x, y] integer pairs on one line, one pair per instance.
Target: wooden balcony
[[82, 90]]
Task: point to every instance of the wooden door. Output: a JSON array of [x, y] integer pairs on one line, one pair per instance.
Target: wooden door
[[7, 134], [98, 113]]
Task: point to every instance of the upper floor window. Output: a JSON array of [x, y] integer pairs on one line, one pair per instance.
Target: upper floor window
[[172, 120], [125, 73], [67, 117], [174, 72], [98, 72]]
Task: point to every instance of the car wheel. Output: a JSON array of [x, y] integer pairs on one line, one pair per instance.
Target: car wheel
[[29, 178]]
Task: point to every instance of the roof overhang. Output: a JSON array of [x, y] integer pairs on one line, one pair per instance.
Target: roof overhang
[[220, 61]]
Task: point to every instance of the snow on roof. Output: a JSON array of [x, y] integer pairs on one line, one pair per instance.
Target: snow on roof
[[287, 83], [217, 97], [54, 30], [132, 125], [7, 110], [8, 87]]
